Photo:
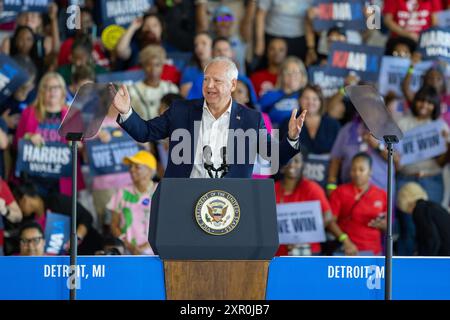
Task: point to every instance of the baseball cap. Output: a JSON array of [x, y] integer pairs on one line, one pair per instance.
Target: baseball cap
[[141, 157]]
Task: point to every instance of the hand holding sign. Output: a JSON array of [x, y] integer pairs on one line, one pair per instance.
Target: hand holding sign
[[37, 139]]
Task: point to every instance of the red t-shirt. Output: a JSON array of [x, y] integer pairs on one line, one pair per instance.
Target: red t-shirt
[[263, 81], [353, 216], [412, 15], [98, 54], [306, 190], [5, 194]]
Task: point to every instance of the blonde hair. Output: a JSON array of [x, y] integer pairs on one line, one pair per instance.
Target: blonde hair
[[300, 64], [40, 103], [409, 194], [151, 52]]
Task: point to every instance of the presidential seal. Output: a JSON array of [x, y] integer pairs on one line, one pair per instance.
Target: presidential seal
[[217, 212]]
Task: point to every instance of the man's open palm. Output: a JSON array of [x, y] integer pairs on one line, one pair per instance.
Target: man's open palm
[[121, 100], [296, 124]]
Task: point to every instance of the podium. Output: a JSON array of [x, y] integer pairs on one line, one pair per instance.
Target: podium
[[215, 237]]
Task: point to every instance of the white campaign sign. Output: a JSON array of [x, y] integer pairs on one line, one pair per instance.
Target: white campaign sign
[[300, 222]]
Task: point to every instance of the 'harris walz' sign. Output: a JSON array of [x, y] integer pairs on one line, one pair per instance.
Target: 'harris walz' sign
[[324, 77], [123, 12], [26, 5], [107, 158], [434, 44], [51, 160], [364, 60], [12, 76], [346, 14]]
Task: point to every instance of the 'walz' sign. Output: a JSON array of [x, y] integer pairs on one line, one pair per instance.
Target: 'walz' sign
[[51, 160], [434, 44]]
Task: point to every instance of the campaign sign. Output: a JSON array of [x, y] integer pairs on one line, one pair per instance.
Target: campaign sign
[[364, 60], [123, 12], [347, 14], [51, 160], [393, 71], [434, 43], [26, 5], [316, 168], [57, 233], [300, 222], [7, 16], [107, 158], [12, 76], [443, 18], [124, 77], [421, 143], [324, 78]]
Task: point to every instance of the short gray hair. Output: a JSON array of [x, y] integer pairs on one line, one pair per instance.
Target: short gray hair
[[231, 71]]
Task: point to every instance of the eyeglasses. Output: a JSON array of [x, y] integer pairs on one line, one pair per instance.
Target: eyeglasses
[[402, 54], [50, 88], [34, 241]]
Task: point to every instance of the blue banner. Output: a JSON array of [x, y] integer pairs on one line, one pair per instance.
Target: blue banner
[[57, 233], [290, 278], [7, 16], [52, 160], [125, 77], [26, 5], [107, 158], [361, 278], [324, 78], [316, 168], [100, 277], [346, 14], [434, 43], [12, 76], [123, 12], [443, 18], [364, 60]]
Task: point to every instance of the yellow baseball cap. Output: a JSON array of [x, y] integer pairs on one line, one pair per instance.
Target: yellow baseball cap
[[141, 157]]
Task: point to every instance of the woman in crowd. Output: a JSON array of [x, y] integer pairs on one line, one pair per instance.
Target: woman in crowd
[[146, 94], [321, 130], [428, 173], [359, 208], [431, 221], [280, 102], [39, 123], [202, 54], [130, 206], [295, 188]]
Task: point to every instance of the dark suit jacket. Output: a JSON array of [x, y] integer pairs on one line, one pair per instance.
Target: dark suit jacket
[[182, 114]]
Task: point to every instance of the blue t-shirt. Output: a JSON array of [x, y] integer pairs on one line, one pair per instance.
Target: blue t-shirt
[[278, 105]]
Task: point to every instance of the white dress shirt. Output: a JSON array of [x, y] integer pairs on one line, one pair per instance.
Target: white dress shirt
[[214, 133]]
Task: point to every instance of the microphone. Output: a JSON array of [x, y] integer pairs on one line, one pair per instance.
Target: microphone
[[207, 163], [224, 166]]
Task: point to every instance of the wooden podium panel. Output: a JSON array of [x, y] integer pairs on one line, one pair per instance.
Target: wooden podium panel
[[215, 279]]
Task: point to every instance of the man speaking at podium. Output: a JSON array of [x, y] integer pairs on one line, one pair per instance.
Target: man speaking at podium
[[210, 135]]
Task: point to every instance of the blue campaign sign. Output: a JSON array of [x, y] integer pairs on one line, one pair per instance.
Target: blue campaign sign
[[434, 43], [364, 60], [57, 233], [107, 158], [357, 278], [324, 78], [101, 277], [347, 14], [7, 16], [52, 160], [123, 12], [12, 76], [443, 18], [125, 77], [26, 5], [316, 168]]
